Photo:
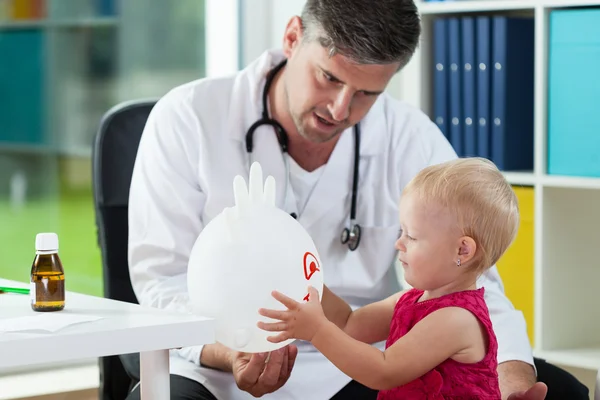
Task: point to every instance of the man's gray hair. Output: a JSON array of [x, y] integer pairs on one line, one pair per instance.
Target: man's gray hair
[[364, 31]]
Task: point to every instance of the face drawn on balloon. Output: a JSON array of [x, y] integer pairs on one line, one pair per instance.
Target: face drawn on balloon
[[311, 265], [245, 253]]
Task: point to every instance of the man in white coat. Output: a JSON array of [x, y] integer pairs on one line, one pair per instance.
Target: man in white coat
[[340, 56]]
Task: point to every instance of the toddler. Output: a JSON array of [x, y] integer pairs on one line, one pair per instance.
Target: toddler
[[457, 219]]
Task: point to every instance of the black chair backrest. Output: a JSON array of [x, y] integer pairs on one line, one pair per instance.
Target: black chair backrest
[[113, 157], [115, 149]]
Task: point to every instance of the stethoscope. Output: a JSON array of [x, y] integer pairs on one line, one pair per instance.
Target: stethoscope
[[350, 234]]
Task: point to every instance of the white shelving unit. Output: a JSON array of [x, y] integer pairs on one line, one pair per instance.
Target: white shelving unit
[[567, 209], [66, 27]]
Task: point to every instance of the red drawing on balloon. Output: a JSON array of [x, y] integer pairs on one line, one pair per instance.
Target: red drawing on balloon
[[307, 297], [311, 265]]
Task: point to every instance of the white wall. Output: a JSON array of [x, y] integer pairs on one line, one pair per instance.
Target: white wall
[[263, 24], [281, 13], [222, 34]]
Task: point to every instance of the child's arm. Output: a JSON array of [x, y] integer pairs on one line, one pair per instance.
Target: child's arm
[[335, 308], [433, 340], [369, 324], [437, 337]]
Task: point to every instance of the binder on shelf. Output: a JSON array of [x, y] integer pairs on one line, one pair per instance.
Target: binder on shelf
[[483, 29], [454, 96], [106, 8], [574, 93], [516, 266], [22, 96], [25, 9], [469, 94], [440, 75], [512, 93]]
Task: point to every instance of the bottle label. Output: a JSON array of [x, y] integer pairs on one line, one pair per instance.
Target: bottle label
[[32, 292]]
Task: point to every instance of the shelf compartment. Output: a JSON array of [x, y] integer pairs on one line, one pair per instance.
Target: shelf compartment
[[569, 273]]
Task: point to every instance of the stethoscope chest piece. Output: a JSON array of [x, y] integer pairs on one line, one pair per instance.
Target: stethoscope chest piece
[[351, 237]]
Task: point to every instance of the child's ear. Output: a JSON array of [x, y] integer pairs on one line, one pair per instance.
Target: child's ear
[[466, 249]]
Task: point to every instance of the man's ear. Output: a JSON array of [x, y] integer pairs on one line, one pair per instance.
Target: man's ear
[[466, 250], [292, 35]]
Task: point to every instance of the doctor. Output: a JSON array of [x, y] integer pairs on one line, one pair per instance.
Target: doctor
[[340, 149]]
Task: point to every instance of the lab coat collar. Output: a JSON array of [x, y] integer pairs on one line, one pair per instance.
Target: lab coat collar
[[246, 108]]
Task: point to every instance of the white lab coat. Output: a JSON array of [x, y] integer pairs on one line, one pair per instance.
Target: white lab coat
[[191, 150]]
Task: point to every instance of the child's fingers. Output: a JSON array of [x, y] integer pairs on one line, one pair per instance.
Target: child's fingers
[[275, 314], [314, 294], [278, 338], [283, 299], [272, 326]]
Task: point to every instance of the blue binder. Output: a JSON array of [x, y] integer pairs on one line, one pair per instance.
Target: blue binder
[[512, 93], [469, 99], [440, 75], [574, 93], [22, 115], [106, 8], [455, 98], [484, 46]]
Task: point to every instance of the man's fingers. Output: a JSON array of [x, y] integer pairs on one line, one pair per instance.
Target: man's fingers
[[283, 299], [292, 354], [270, 375], [272, 326], [250, 374], [537, 391], [284, 367]]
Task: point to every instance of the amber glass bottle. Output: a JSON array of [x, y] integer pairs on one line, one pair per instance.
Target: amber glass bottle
[[47, 275]]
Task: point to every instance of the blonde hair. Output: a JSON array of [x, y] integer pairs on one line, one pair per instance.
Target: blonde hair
[[482, 201]]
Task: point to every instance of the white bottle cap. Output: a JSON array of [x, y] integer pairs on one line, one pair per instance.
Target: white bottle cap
[[46, 242]]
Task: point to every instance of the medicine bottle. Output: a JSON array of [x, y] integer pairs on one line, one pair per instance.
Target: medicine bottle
[[47, 275]]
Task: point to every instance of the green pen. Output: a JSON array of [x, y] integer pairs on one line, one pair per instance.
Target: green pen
[[14, 290]]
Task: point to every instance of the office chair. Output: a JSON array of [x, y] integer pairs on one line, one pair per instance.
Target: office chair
[[113, 156]]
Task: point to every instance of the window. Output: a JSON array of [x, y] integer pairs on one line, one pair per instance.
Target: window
[[64, 64]]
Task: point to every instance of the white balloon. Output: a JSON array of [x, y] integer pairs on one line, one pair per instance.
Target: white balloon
[[241, 256]]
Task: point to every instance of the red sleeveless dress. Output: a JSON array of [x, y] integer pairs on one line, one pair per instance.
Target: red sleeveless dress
[[451, 379]]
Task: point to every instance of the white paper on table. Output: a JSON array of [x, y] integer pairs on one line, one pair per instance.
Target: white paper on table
[[50, 322]]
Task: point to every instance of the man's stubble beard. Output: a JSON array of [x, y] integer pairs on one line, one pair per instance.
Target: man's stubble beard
[[303, 131]]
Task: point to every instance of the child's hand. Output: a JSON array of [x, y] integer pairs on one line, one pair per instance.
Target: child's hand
[[299, 321]]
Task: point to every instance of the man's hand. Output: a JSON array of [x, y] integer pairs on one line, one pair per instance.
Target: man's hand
[[518, 382], [536, 392], [258, 376]]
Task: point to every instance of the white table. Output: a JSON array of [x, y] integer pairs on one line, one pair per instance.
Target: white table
[[124, 328]]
